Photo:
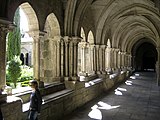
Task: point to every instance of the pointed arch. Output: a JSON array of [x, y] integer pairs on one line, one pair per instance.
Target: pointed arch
[[90, 37], [31, 16], [52, 26], [83, 35], [109, 43]]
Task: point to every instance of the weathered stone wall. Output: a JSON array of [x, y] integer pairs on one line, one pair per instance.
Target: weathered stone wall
[[12, 110], [63, 104]]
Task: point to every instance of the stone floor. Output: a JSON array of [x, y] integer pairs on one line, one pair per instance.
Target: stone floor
[[137, 99]]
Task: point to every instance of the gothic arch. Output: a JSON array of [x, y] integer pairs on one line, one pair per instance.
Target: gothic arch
[[90, 38], [83, 35], [109, 43], [31, 16], [52, 26]]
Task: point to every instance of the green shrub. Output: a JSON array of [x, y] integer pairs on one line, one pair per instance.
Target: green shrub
[[26, 75], [14, 70]]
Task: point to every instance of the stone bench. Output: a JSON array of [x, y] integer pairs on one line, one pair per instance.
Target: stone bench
[[88, 78], [49, 89], [93, 82], [49, 98]]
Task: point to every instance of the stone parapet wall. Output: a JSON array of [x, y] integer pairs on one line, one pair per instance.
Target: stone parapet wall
[[58, 107], [12, 109]]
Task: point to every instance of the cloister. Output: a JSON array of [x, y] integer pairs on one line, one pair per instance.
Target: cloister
[[81, 49]]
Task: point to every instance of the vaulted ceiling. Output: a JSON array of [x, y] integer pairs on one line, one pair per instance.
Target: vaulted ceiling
[[124, 22]]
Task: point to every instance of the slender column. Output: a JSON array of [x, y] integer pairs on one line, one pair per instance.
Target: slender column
[[66, 42], [62, 52], [84, 57], [71, 58], [112, 58], [56, 57], [116, 57], [108, 59], [119, 60], [97, 59], [123, 60], [103, 48], [75, 41], [92, 59]]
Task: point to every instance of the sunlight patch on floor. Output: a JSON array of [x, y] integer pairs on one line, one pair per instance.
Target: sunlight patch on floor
[[129, 83], [96, 113]]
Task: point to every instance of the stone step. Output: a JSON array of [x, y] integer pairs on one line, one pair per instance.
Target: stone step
[[49, 89]]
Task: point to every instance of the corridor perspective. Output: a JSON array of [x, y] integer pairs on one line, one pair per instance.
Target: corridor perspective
[[90, 59], [136, 99]]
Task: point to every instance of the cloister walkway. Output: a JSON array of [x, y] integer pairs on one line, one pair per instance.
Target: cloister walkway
[[136, 99]]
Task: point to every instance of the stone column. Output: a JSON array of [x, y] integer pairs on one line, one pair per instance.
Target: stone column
[[75, 41], [94, 59], [102, 57], [123, 60], [37, 37], [62, 52], [97, 56], [58, 58], [119, 60], [5, 26], [112, 58], [91, 47], [66, 57], [108, 59], [71, 58], [84, 61]]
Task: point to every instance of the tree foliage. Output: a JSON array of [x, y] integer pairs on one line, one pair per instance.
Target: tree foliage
[[14, 69], [14, 39]]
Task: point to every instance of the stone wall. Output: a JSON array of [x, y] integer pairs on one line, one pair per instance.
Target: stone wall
[[63, 104]]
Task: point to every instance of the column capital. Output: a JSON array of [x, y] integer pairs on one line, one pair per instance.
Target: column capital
[[6, 26], [66, 39], [83, 44], [36, 34], [91, 46]]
